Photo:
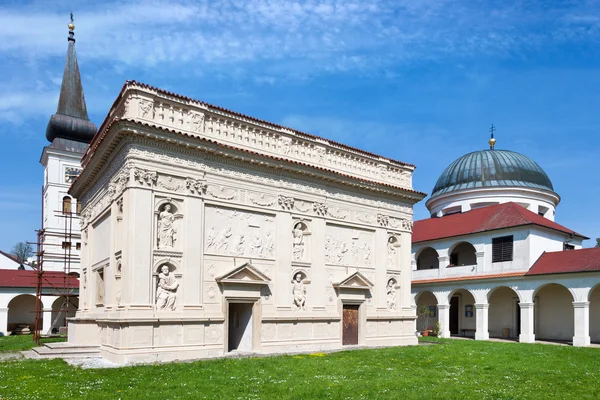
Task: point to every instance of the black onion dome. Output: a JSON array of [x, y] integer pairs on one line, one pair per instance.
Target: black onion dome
[[71, 119], [492, 168]]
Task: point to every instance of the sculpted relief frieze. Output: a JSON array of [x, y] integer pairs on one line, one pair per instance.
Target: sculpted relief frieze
[[170, 183], [349, 247], [222, 192], [247, 133], [262, 199], [239, 233]]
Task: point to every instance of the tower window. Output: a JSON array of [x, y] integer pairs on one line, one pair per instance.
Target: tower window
[[502, 249], [66, 205]]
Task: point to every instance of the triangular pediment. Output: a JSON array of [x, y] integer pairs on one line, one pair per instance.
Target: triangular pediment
[[245, 273], [355, 281]]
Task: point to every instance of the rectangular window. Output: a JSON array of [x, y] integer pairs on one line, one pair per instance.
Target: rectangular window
[[78, 246], [567, 246], [502, 249], [66, 245]]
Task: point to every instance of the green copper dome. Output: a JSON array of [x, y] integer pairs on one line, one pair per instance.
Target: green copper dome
[[492, 168]]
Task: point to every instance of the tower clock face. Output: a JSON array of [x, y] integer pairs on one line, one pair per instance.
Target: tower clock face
[[71, 173]]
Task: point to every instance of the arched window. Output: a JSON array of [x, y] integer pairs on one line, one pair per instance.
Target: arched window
[[78, 207], [66, 205], [428, 259], [463, 254]]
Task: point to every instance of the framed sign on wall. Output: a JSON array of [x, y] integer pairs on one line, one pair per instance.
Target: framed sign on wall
[[469, 310]]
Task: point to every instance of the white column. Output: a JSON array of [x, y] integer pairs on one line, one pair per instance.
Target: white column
[[442, 264], [414, 312], [3, 321], [527, 335], [582, 323], [481, 316], [444, 319], [47, 321]]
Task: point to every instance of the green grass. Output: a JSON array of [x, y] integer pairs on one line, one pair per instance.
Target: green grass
[[22, 342], [452, 369]]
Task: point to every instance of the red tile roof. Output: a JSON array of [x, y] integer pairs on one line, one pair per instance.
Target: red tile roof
[[469, 278], [28, 279], [563, 262], [500, 216]]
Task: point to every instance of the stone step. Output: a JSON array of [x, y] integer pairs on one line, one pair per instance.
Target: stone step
[[65, 350]]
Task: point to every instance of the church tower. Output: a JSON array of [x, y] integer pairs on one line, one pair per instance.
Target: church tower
[[69, 132]]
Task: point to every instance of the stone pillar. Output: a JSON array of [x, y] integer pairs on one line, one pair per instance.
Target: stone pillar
[[443, 263], [283, 276], [414, 312], [47, 320], [444, 319], [137, 259], [3, 321], [527, 335], [404, 254], [480, 262], [481, 316], [582, 323], [193, 249]]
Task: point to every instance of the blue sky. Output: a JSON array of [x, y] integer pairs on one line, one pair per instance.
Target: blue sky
[[419, 81]]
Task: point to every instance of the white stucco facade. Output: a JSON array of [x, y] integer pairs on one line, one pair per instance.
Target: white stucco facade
[[205, 232]]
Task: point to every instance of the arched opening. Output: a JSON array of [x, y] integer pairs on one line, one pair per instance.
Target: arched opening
[[463, 254], [21, 314], [61, 310], [427, 312], [462, 313], [504, 314], [595, 314], [427, 259], [554, 315], [66, 205]]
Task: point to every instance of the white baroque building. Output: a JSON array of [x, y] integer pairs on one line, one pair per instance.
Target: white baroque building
[[491, 261], [206, 231]]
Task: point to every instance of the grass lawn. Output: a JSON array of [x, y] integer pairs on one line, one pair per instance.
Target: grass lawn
[[454, 369], [22, 342]]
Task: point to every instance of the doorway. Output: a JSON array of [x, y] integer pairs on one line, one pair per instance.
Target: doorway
[[240, 327], [350, 324], [454, 315]]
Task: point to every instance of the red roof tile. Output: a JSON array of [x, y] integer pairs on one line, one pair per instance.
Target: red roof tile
[[563, 262], [500, 216], [469, 278], [28, 279]]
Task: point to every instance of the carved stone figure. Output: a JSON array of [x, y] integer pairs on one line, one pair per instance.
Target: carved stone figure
[[240, 246], [211, 238], [166, 228], [298, 243], [223, 240], [269, 248], [391, 248], [391, 294], [146, 107], [299, 292], [256, 245], [166, 292]]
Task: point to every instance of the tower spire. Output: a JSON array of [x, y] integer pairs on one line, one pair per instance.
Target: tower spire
[[71, 119], [492, 141]]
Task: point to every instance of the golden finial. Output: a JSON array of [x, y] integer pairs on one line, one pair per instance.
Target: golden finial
[[492, 141], [71, 25]]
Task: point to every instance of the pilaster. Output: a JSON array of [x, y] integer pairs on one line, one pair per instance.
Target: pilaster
[[582, 323], [527, 312], [481, 316], [193, 252], [444, 320], [405, 268], [443, 263], [3, 321]]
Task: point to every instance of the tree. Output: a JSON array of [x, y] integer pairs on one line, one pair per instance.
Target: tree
[[22, 251], [597, 242]]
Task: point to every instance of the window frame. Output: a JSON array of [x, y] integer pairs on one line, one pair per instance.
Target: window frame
[[501, 247]]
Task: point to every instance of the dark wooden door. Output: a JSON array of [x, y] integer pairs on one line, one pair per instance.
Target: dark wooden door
[[454, 315], [350, 321]]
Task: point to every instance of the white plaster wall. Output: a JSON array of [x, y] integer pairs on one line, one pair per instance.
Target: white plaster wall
[[595, 315], [544, 240], [502, 312], [554, 313], [464, 322], [7, 263]]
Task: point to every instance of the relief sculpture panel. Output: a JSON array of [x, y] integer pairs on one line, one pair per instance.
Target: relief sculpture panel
[[349, 247], [239, 233]]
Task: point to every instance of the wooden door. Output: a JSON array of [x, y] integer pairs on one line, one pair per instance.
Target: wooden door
[[454, 315], [350, 322]]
